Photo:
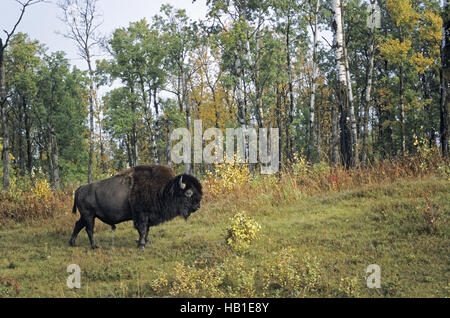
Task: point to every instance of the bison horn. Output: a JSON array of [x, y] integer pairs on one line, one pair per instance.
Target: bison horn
[[182, 185]]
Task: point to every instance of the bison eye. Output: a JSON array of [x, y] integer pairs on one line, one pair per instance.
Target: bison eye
[[189, 193]]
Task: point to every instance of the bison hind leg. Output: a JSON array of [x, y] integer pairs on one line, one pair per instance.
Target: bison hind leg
[[90, 231], [79, 225]]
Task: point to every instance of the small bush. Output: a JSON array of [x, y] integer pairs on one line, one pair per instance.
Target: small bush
[[226, 177], [348, 287], [8, 287], [239, 281], [196, 282], [160, 284], [242, 232], [287, 276]]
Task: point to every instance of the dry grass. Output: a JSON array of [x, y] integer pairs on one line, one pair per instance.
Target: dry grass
[[320, 227]]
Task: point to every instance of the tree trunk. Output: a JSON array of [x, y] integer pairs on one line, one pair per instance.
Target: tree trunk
[[19, 137], [402, 114], [129, 154], [184, 99], [445, 81], [345, 132], [240, 101], [29, 146], [54, 160], [351, 105], [279, 118], [91, 116], [312, 139], [5, 132], [168, 144], [334, 155], [290, 109], [135, 146], [342, 88], [365, 146], [156, 128]]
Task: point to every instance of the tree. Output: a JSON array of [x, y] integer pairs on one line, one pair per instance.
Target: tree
[[3, 93], [22, 61], [181, 37], [312, 139], [54, 94], [122, 119], [370, 67], [343, 99], [81, 18]]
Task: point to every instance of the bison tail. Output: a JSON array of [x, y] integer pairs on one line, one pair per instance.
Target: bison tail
[[74, 209]]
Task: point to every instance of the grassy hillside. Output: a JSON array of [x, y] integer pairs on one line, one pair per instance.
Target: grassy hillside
[[309, 245]]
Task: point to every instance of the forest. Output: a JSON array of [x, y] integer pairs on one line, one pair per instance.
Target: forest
[[365, 92], [358, 90]]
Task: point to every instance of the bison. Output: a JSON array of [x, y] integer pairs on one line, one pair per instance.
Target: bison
[[147, 194]]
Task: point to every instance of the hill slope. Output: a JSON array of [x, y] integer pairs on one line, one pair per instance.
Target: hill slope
[[316, 246]]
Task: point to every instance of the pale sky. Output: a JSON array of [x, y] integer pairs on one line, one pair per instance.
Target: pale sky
[[41, 21]]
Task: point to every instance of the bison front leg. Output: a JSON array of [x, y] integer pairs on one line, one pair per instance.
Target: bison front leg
[[141, 224], [143, 234], [146, 233]]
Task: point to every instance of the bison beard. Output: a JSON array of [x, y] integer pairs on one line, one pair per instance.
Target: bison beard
[[148, 195]]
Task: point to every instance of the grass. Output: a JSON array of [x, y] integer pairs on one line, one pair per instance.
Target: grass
[[310, 245]]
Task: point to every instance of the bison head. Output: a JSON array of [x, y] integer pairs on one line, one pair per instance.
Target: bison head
[[188, 193]]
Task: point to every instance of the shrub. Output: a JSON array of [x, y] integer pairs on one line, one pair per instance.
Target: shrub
[[226, 177], [160, 283], [348, 287], [7, 286], [287, 276], [42, 190], [239, 281], [425, 153], [38, 202], [196, 282], [242, 231]]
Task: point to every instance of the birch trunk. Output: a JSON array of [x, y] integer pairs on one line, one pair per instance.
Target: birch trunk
[[290, 142], [351, 106], [365, 147], [240, 101], [187, 106], [312, 141], [342, 88]]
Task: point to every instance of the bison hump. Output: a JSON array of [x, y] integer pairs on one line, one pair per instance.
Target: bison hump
[[146, 182]]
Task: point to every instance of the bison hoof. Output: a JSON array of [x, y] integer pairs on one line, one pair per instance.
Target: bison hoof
[[141, 247], [71, 243], [94, 247]]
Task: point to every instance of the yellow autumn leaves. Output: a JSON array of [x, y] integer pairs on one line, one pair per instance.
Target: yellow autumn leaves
[[242, 231], [429, 29]]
